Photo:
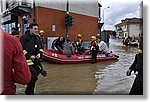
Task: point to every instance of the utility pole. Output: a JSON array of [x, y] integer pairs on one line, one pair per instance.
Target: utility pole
[[103, 16]]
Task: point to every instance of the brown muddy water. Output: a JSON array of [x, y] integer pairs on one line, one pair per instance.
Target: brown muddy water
[[100, 78]]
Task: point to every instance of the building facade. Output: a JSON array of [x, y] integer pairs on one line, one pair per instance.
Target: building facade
[[129, 27], [50, 15], [140, 10], [10, 12]]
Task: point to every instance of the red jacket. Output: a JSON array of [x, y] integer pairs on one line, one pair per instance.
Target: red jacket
[[78, 41], [15, 68], [93, 45]]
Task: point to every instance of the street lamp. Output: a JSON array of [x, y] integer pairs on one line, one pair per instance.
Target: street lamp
[[99, 11], [99, 18], [103, 15]]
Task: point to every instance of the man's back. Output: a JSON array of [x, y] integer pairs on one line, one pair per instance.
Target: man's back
[[68, 48], [58, 43], [15, 68]]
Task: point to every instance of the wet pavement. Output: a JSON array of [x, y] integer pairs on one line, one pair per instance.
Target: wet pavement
[[100, 78]]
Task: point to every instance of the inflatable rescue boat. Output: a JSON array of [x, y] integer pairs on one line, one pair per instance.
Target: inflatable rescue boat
[[55, 57]]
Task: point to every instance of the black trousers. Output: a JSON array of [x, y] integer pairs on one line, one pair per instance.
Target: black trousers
[[79, 49], [94, 56], [59, 49], [35, 70], [137, 87]]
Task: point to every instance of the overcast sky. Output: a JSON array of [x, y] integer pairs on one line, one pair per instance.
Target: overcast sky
[[119, 9]]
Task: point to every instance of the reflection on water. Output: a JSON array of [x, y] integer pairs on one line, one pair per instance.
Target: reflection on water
[[68, 79], [101, 78]]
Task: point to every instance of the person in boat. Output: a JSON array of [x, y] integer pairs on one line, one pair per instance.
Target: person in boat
[[98, 38], [123, 40], [137, 66], [126, 40], [78, 44], [58, 43], [68, 48], [32, 49], [103, 48], [94, 49], [41, 34], [132, 39]]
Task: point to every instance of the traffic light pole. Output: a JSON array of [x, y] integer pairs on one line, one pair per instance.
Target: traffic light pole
[[68, 20], [67, 27], [67, 17], [67, 35]]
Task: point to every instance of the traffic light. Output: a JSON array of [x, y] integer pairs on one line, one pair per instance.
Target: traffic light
[[71, 20], [25, 21], [67, 20]]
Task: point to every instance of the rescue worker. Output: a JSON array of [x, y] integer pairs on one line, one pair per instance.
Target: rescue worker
[[15, 68], [32, 48], [123, 40], [42, 36], [58, 43], [94, 49], [27, 30], [140, 39], [98, 38], [15, 32], [132, 39], [78, 44], [126, 40], [137, 66]]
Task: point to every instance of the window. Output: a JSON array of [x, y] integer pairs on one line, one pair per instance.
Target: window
[[124, 26]]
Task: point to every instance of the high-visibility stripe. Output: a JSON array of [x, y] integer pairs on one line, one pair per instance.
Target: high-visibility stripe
[[25, 52], [77, 43], [93, 48], [41, 50], [80, 40], [139, 51], [29, 62], [35, 46]]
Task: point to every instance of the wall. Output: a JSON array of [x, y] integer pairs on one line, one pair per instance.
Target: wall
[[45, 17], [85, 25], [84, 7], [134, 30]]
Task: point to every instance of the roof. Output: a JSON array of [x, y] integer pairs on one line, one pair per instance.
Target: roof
[[134, 20], [130, 21]]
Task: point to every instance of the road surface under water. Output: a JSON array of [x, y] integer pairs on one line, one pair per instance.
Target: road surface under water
[[112, 79], [100, 78]]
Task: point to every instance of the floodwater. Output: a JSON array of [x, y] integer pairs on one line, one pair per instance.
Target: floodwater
[[112, 80], [100, 78]]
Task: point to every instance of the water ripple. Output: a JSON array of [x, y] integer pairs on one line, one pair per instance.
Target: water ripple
[[113, 79]]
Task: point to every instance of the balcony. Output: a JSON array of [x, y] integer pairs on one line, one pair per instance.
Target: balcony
[[19, 8]]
